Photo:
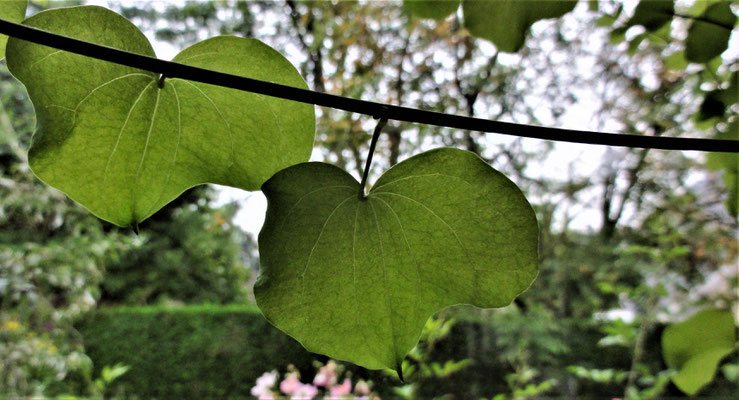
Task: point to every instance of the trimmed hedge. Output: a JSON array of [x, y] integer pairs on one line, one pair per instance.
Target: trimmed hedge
[[203, 351]]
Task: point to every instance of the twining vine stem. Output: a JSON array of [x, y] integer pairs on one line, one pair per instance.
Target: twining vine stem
[[389, 112], [375, 135]]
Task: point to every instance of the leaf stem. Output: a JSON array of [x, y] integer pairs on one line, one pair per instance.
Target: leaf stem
[[375, 135]]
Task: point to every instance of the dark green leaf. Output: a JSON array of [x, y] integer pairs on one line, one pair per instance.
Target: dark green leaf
[[436, 9], [652, 14], [112, 140], [14, 11], [694, 348], [708, 35], [506, 22], [357, 279], [717, 101]]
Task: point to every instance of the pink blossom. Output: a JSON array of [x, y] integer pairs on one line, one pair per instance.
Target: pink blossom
[[264, 385], [361, 387], [326, 375], [343, 389], [268, 379], [304, 392], [290, 384]]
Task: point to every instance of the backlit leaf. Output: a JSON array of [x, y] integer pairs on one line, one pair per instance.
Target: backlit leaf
[[506, 22], [14, 11], [694, 348], [115, 142], [356, 279]]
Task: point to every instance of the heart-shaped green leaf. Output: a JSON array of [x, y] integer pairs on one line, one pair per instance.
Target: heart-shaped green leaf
[[14, 11], [114, 141], [695, 346], [436, 9], [356, 279], [506, 22]]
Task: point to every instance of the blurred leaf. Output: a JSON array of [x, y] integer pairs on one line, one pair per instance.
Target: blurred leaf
[[676, 61], [436, 9], [695, 346], [708, 35], [617, 35], [507, 22], [13, 11], [635, 42], [652, 14], [605, 21]]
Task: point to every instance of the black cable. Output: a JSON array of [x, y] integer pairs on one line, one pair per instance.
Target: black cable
[[175, 70]]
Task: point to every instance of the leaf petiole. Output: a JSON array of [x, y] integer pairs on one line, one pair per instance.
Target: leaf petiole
[[375, 135]]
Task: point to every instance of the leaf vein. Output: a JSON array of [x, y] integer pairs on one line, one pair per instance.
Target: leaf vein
[[143, 156], [384, 280]]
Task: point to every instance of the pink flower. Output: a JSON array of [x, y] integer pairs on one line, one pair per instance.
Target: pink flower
[[304, 392], [290, 384], [343, 389], [263, 389], [361, 387], [326, 375]]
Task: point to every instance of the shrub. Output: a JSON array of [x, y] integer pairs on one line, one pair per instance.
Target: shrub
[[203, 351]]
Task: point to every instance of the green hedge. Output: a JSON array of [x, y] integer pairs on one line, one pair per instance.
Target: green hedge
[[189, 352]]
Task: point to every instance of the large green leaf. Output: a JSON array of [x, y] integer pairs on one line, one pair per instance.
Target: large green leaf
[[708, 35], [694, 348], [436, 9], [356, 279], [14, 11], [506, 22], [114, 141]]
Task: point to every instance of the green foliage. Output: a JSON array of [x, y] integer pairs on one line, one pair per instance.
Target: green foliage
[[124, 143], [195, 256], [652, 14], [708, 35], [695, 346], [728, 164], [52, 257], [201, 351], [506, 22], [372, 270], [503, 22], [431, 8], [14, 11]]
